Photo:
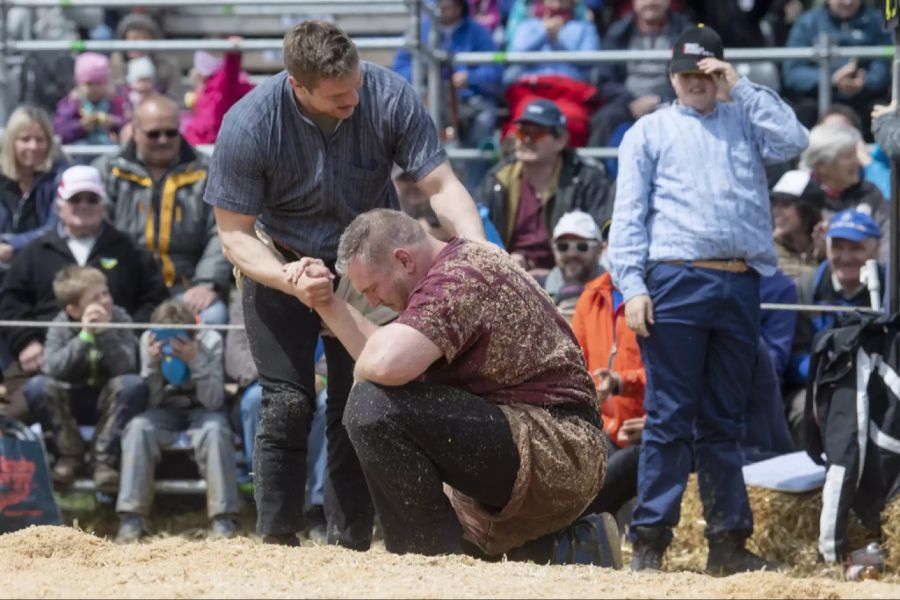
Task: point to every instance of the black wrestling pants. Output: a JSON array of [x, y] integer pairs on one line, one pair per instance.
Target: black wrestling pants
[[412, 438], [282, 333]]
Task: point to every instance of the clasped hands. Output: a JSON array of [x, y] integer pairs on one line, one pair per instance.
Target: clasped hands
[[310, 281]]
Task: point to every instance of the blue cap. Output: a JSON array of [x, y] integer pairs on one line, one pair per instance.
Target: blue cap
[[854, 226], [543, 112]]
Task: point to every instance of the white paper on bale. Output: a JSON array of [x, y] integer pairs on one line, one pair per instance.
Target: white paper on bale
[[794, 472]]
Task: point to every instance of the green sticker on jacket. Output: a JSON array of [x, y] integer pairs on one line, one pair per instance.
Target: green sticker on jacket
[[109, 263]]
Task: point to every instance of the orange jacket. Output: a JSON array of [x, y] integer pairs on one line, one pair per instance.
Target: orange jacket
[[593, 325]]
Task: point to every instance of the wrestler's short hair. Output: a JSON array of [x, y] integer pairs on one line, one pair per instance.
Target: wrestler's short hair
[[317, 50], [374, 234]]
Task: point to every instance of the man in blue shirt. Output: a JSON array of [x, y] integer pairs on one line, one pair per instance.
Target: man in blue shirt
[[691, 235]]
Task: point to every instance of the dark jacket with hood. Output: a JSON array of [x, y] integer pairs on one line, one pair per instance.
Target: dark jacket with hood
[[24, 218], [132, 276], [582, 185]]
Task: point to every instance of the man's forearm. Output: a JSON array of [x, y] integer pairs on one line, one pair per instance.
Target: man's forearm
[[455, 206], [348, 325], [254, 260]]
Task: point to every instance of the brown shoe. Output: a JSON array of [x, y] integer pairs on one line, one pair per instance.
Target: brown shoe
[[106, 479], [66, 469]]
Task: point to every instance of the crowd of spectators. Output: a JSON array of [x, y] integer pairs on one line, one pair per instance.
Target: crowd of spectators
[[129, 238]]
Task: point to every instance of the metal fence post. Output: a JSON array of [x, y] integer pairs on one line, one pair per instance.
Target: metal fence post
[[823, 45], [415, 38], [434, 78], [894, 237], [4, 67]]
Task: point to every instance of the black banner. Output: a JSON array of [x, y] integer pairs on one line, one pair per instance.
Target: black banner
[[890, 12]]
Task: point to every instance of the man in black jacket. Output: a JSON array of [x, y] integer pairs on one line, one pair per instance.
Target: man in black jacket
[[528, 193], [83, 238]]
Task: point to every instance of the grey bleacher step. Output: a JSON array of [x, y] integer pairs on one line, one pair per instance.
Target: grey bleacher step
[[274, 25]]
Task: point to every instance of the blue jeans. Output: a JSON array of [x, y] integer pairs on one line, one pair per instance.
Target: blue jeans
[[699, 361], [315, 457]]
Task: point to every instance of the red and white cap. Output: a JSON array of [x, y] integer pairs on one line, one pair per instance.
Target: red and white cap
[[80, 178]]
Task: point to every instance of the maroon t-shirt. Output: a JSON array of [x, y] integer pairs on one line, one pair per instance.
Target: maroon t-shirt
[[529, 235], [501, 335]]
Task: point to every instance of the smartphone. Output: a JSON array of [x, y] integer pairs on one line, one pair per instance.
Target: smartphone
[[168, 334]]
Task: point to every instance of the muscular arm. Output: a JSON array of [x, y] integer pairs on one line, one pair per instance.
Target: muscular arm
[[391, 355], [451, 202], [242, 248], [348, 324], [394, 355]]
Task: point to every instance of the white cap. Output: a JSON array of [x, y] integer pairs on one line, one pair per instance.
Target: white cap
[[577, 223], [140, 68], [792, 183], [80, 178]]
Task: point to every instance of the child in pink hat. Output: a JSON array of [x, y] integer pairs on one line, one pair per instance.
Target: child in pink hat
[[91, 113]]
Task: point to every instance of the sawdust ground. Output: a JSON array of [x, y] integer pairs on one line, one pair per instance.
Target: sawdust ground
[[66, 562]]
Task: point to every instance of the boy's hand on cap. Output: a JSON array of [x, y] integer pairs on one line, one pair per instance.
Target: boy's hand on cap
[[722, 73]]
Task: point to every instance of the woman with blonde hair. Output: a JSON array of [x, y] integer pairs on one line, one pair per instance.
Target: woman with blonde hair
[[29, 164]]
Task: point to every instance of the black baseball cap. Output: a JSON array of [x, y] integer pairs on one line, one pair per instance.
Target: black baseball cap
[[543, 112], [693, 45]]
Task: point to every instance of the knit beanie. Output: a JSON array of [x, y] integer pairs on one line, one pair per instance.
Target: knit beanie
[[140, 68], [138, 21], [91, 67]]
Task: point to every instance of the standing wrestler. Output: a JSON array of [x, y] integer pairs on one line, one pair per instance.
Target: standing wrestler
[[296, 160]]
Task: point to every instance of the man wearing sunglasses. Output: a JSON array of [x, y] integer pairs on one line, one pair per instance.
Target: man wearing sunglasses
[[155, 186], [576, 251], [528, 193], [82, 237]]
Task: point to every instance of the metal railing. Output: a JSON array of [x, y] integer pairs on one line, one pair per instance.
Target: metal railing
[[427, 59]]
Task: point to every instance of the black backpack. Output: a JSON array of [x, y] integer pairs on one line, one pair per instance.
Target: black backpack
[[852, 420]]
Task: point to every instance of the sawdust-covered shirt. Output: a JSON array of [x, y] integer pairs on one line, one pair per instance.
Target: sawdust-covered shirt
[[501, 336], [271, 160]]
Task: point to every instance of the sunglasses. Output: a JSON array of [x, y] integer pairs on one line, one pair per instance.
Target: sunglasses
[[579, 246], [155, 134], [88, 198], [533, 135]]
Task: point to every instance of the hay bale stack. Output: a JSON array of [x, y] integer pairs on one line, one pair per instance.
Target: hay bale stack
[[786, 529], [890, 528]]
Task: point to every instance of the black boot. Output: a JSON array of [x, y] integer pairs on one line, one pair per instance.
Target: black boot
[[648, 549], [728, 555]]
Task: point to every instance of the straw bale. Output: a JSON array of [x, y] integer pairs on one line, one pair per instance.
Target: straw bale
[[786, 529], [890, 528]]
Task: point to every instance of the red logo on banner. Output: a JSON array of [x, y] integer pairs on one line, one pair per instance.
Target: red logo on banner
[[15, 480]]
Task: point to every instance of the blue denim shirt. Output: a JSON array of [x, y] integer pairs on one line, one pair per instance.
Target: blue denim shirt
[[693, 187]]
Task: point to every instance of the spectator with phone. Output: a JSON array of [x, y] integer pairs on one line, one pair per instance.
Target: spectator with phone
[[186, 380], [857, 83]]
